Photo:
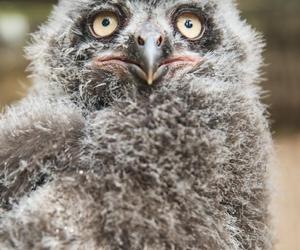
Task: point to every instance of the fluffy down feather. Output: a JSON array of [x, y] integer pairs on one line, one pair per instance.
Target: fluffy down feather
[[183, 166]]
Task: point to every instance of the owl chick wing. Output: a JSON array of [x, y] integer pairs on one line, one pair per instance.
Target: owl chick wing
[[37, 137]]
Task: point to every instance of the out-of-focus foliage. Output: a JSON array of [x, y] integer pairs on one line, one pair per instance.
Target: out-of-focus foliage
[[278, 20]]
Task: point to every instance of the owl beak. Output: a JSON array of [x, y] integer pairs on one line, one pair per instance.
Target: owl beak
[[149, 44], [151, 55]]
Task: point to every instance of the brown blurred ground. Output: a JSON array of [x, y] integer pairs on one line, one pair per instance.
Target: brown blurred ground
[[279, 21], [287, 199]]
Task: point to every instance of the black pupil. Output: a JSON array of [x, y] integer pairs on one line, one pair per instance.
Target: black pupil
[[188, 24], [106, 22]]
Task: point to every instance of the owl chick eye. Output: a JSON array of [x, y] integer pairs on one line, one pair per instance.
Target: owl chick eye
[[104, 24], [190, 25]]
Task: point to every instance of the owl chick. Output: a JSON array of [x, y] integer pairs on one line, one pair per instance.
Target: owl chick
[[144, 130]]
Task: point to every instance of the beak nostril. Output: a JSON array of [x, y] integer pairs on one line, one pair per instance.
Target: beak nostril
[[159, 41], [141, 41]]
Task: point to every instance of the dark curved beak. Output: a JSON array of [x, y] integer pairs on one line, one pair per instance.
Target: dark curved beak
[[150, 50], [151, 55]]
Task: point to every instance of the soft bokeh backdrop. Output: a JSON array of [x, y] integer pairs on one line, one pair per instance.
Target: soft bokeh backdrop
[[278, 20]]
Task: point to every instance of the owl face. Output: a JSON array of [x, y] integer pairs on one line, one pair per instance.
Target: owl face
[[101, 50], [147, 45]]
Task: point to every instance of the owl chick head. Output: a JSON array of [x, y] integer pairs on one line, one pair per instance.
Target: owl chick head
[[99, 50]]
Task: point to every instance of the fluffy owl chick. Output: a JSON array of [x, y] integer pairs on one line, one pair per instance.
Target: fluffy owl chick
[[144, 130]]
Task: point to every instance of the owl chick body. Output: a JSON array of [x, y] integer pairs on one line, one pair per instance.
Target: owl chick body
[[95, 158]]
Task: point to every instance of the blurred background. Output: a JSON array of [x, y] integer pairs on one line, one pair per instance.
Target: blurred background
[[278, 20]]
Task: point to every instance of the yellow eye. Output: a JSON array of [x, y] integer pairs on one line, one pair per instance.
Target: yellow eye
[[190, 25], [105, 24]]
